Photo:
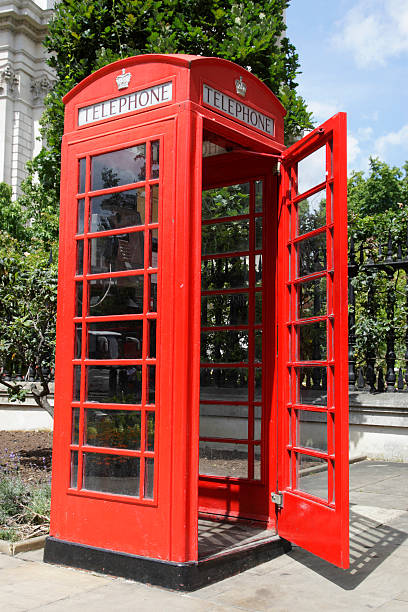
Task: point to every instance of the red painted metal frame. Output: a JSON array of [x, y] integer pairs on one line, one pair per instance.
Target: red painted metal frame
[[319, 525]]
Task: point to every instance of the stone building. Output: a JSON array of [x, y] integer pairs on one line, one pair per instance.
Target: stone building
[[25, 79]]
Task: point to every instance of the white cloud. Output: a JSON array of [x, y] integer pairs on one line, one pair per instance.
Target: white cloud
[[322, 110], [365, 134], [392, 139], [374, 31], [353, 149]]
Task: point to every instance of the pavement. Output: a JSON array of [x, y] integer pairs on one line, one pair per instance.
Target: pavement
[[297, 581]]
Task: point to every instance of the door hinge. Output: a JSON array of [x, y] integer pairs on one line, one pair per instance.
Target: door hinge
[[277, 498], [278, 167]]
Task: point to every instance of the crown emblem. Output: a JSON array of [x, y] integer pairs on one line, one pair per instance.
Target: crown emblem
[[240, 87], [123, 79]]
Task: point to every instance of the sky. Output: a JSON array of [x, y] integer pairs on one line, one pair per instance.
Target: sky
[[354, 58]]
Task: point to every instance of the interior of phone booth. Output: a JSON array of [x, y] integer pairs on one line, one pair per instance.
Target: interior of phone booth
[[238, 242]]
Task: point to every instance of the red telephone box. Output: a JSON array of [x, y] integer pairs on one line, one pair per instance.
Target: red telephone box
[[201, 367]]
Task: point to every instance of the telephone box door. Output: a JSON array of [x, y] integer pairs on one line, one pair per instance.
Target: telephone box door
[[312, 510]]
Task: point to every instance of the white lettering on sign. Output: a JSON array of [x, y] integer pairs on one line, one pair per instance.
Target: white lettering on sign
[[238, 110], [125, 104]]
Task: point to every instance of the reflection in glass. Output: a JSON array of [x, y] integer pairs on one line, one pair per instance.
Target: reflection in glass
[[223, 421], [225, 309], [258, 270], [149, 478], [154, 204], [74, 470], [111, 474], [118, 168], [115, 253], [312, 212], [75, 426], [258, 308], [312, 385], [151, 384], [114, 384], [154, 246], [116, 210], [229, 384], [224, 273], [81, 216], [257, 422], [80, 257], [312, 298], [225, 237], [312, 475], [78, 299], [312, 430], [222, 459], [312, 341], [257, 463], [258, 345], [109, 296], [312, 170], [152, 338], [150, 423], [82, 175], [258, 385], [154, 159], [153, 292], [312, 254], [78, 341], [258, 232], [77, 383], [258, 196], [226, 201], [115, 340], [224, 346], [113, 428]]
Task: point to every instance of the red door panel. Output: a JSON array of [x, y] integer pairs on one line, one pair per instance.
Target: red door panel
[[312, 355]]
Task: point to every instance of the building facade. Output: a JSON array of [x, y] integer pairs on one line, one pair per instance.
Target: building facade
[[25, 79]]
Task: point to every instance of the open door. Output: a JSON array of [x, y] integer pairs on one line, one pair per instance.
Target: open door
[[312, 489]]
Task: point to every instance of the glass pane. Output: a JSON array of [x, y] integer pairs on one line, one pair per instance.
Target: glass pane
[[226, 201], [78, 341], [115, 340], [224, 346], [258, 232], [115, 253], [82, 175], [312, 430], [154, 204], [225, 237], [312, 475], [114, 384], [151, 384], [223, 421], [153, 293], [109, 296], [258, 345], [312, 170], [154, 246], [257, 422], [150, 423], [111, 474], [229, 384], [152, 338], [75, 426], [258, 196], [149, 478], [113, 428], [226, 309], [118, 168], [258, 385], [78, 299], [154, 159], [312, 340], [225, 273], [312, 386], [258, 308], [258, 270], [80, 257], [81, 216], [77, 383], [257, 463], [115, 210], [312, 254], [222, 459], [312, 212], [312, 298], [74, 470]]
